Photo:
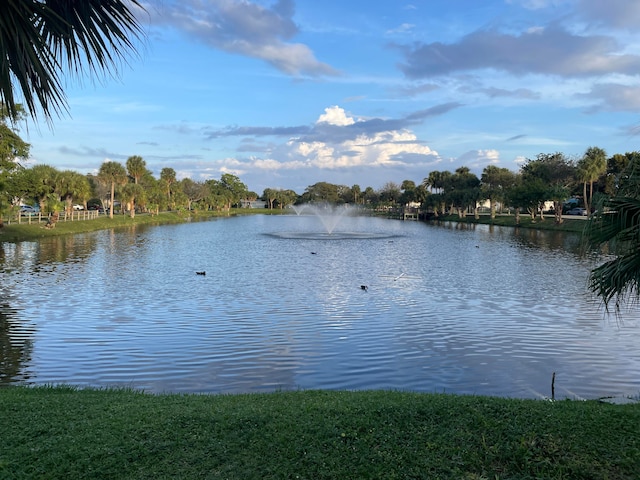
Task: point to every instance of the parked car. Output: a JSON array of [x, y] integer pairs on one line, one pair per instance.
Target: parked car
[[28, 210], [577, 211], [77, 206]]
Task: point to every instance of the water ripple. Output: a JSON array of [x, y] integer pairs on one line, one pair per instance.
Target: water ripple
[[280, 312]]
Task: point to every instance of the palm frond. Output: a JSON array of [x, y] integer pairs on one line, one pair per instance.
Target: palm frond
[[98, 32], [617, 279], [26, 59], [619, 221], [616, 227], [38, 38]]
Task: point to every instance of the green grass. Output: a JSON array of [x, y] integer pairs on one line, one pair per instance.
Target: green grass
[[24, 232], [66, 433], [568, 225]]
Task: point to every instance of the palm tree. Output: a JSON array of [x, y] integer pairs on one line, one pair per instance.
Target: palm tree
[[168, 178], [44, 179], [132, 193], [39, 39], [112, 174], [495, 181], [616, 229], [357, 193], [437, 182], [72, 186], [136, 168], [591, 166], [433, 181]]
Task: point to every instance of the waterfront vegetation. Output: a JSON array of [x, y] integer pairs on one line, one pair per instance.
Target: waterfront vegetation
[[576, 225], [16, 232], [62, 432]]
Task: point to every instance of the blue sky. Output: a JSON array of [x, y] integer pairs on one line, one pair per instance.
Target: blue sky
[[288, 93]]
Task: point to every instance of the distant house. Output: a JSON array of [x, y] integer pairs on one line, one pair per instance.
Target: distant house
[[253, 204]]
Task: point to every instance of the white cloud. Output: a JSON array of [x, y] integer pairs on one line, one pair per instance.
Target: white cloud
[[245, 28], [335, 116], [478, 159], [347, 150], [549, 51], [614, 97]]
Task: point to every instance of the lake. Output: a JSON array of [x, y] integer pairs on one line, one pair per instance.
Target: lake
[[446, 308]]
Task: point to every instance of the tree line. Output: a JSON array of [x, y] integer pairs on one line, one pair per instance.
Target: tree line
[[543, 184], [132, 187]]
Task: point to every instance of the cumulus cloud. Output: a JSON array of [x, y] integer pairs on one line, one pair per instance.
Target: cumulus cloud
[[549, 51], [245, 28], [380, 149], [335, 116], [478, 159], [339, 141], [335, 125]]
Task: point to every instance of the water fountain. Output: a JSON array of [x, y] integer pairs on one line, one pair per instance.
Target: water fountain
[[330, 217]]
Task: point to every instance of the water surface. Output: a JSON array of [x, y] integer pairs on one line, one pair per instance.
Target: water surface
[[452, 308]]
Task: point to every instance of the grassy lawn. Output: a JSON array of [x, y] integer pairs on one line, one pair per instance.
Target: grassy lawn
[[576, 225], [24, 232], [66, 433]]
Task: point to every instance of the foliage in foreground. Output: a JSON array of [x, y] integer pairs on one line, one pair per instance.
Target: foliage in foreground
[[615, 229], [39, 39], [65, 433]]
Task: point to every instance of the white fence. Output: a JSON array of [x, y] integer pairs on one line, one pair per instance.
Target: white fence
[[35, 218]]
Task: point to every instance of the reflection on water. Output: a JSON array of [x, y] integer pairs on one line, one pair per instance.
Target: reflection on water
[[455, 308], [16, 344]]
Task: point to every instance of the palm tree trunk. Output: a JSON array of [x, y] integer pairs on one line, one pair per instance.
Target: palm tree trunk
[[113, 192]]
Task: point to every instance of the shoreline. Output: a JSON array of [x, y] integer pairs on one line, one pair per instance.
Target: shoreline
[[572, 225], [24, 232]]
